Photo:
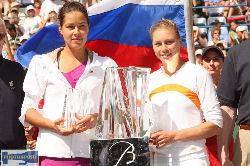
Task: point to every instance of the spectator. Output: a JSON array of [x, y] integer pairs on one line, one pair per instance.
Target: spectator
[[52, 18], [198, 54], [24, 38], [233, 94], [226, 9], [221, 46], [247, 15], [13, 48], [13, 12], [212, 61], [87, 1], [198, 12], [6, 20], [11, 97], [241, 33], [47, 7], [194, 3], [14, 8], [207, 3], [32, 23], [237, 10], [233, 38], [4, 49], [13, 36], [212, 3], [198, 40], [19, 28], [223, 34], [216, 38], [37, 4]]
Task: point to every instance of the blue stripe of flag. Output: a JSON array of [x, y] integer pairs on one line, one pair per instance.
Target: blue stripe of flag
[[130, 23]]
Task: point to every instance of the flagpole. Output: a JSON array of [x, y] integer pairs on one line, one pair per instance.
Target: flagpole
[[192, 32], [10, 56], [189, 29]]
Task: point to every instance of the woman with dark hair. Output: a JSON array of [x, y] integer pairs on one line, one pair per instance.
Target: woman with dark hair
[[58, 77], [233, 39]]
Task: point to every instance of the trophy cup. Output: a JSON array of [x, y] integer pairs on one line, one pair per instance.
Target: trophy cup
[[119, 128], [76, 102]]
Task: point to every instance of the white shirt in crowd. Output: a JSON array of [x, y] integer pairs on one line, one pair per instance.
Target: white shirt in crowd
[[48, 6], [31, 24]]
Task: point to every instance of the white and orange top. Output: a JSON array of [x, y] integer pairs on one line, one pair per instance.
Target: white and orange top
[[181, 101]]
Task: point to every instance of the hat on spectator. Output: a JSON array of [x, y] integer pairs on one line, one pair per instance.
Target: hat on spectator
[[195, 28], [198, 52], [24, 37], [15, 4], [220, 43], [240, 28], [30, 7], [14, 9], [212, 48]]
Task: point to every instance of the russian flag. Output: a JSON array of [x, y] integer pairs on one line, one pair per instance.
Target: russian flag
[[118, 29]]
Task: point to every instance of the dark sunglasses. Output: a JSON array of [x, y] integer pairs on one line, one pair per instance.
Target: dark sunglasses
[[215, 59]]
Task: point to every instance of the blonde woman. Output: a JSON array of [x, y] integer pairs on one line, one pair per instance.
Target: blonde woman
[[181, 94]]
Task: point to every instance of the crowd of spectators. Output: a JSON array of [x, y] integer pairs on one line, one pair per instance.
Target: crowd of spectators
[[223, 23], [23, 20]]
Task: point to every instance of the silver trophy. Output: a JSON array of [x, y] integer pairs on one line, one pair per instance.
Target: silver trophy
[[123, 102], [76, 102]]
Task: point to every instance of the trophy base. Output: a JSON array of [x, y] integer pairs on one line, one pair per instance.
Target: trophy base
[[120, 152]]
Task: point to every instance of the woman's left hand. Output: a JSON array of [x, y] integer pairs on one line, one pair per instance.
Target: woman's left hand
[[85, 122], [162, 138]]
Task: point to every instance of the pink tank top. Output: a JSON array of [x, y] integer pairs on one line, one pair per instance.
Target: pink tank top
[[73, 76]]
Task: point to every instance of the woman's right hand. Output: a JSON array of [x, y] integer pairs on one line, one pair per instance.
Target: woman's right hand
[[162, 138], [59, 127]]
